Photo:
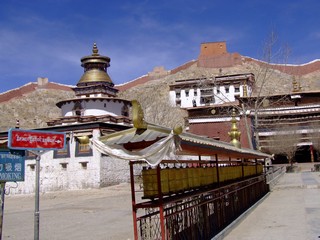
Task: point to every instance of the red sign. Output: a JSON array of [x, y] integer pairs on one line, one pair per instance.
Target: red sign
[[36, 140]]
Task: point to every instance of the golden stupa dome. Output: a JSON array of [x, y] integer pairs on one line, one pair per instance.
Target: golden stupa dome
[[95, 68]]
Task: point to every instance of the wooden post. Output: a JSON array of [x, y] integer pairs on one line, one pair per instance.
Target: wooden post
[[242, 166], [217, 167], [256, 162], [311, 153]]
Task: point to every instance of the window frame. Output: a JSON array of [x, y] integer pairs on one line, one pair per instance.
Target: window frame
[[63, 153]]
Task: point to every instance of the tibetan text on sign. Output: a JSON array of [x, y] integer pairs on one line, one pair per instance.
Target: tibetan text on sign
[[12, 166], [36, 140]]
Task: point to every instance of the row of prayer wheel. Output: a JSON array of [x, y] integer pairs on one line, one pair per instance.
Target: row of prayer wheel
[[174, 180]]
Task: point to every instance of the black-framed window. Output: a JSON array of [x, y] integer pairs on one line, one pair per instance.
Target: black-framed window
[[84, 165], [226, 89], [78, 108], [206, 100], [206, 92], [125, 111], [218, 89], [64, 166], [63, 153], [32, 166]]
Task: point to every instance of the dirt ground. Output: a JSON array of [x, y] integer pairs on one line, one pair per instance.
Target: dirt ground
[[101, 214]]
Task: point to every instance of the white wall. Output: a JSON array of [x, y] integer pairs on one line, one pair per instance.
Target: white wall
[[96, 108], [186, 100], [101, 171]]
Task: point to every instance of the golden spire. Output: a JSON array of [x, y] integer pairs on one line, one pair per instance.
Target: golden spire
[[295, 85], [234, 134]]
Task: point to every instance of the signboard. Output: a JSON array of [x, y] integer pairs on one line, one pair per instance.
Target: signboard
[[35, 140], [12, 165]]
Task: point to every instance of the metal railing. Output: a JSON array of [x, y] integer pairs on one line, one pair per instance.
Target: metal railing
[[200, 214], [273, 174]]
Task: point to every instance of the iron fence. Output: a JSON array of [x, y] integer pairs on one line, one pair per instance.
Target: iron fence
[[199, 214]]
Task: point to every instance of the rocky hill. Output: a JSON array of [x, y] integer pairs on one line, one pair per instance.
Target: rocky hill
[[153, 94], [35, 107]]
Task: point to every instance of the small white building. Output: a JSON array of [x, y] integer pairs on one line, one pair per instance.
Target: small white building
[[95, 111], [198, 92]]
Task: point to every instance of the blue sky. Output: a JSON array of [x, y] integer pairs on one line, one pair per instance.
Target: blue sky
[[47, 38]]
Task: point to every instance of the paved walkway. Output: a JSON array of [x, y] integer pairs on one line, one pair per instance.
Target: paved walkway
[[100, 214], [291, 211]]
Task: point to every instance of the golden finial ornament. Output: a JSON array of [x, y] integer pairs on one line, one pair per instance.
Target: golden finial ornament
[[177, 130], [95, 50], [138, 115], [295, 85], [234, 134], [83, 139]]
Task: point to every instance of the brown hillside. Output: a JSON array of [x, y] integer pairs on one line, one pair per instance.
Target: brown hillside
[[30, 87], [33, 108], [156, 92], [214, 55]]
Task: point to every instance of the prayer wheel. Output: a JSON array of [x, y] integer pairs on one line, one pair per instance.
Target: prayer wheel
[[191, 182], [196, 177], [172, 180], [149, 180], [185, 178], [150, 183]]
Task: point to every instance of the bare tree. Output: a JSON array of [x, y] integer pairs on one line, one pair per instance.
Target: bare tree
[[285, 142], [263, 90]]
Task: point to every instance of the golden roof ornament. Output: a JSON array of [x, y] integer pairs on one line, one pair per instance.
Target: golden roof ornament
[[95, 50], [83, 139], [140, 123], [138, 115], [177, 130], [234, 134], [295, 85], [95, 67]]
